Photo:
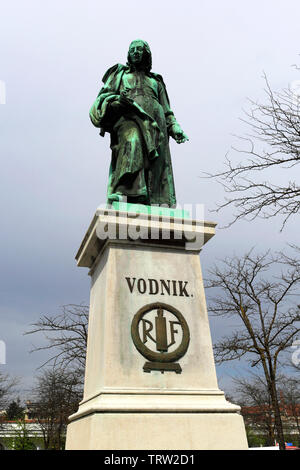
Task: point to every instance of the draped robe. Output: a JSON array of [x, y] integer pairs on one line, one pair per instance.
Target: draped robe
[[141, 167]]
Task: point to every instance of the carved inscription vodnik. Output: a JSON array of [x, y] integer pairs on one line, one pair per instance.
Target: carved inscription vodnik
[[150, 286]]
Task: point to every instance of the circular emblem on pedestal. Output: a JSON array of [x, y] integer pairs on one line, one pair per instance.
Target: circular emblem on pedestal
[[161, 334]]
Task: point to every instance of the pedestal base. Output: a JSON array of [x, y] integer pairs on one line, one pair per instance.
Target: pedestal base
[[158, 431], [150, 379]]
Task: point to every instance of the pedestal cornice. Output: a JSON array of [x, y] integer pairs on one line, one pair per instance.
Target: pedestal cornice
[[111, 226]]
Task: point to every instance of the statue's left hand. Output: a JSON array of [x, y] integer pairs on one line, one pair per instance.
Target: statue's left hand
[[178, 134]]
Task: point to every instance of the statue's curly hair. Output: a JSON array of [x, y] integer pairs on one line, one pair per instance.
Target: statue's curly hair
[[146, 63]]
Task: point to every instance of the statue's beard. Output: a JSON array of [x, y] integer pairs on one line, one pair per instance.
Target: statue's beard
[[138, 66], [143, 65]]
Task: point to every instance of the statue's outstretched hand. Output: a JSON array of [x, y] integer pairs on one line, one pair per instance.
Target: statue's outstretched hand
[[177, 133]]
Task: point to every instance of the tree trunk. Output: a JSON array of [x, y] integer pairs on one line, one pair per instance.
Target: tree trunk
[[277, 415]]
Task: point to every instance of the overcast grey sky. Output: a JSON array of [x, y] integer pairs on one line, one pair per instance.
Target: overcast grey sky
[[212, 55]]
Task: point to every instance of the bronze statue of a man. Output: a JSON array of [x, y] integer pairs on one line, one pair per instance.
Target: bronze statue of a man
[[133, 106]]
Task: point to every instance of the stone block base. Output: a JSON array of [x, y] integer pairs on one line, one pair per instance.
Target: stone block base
[[150, 379], [157, 431]]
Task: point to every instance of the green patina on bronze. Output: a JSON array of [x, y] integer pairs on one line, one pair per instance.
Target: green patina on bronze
[[153, 210], [133, 106]]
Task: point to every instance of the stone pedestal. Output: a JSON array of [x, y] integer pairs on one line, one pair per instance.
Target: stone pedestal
[[150, 378]]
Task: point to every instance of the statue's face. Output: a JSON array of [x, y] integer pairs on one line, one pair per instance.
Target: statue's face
[[136, 50]]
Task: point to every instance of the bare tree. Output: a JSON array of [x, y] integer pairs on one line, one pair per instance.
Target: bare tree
[[55, 397], [256, 406], [7, 393], [290, 401], [273, 143], [7, 389], [66, 335], [265, 309]]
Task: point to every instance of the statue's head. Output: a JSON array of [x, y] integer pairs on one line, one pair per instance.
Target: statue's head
[[139, 55]]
